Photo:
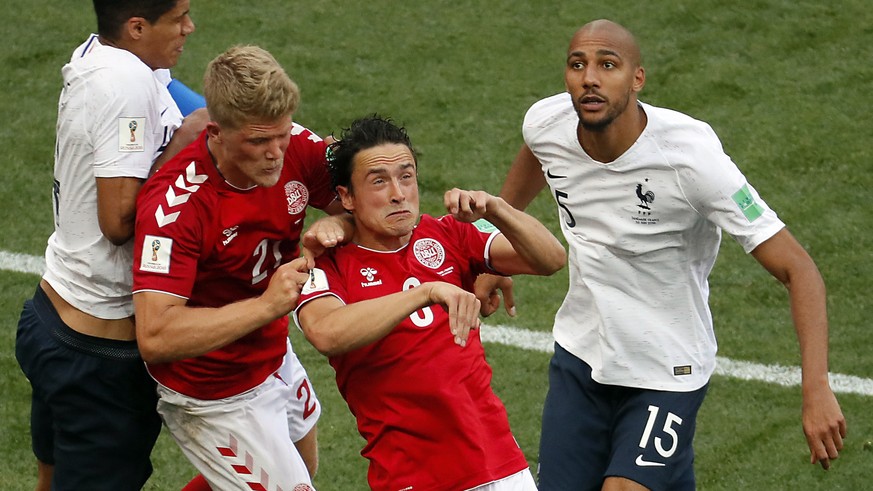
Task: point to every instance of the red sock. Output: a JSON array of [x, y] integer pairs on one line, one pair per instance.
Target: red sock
[[197, 484]]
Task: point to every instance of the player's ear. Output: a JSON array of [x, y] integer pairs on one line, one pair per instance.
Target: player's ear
[[135, 26], [213, 131], [345, 196], [639, 79]]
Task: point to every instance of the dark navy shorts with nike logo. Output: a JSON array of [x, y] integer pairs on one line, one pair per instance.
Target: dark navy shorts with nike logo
[[593, 431]]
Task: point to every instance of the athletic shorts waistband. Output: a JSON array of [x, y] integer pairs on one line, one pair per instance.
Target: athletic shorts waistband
[[64, 334]]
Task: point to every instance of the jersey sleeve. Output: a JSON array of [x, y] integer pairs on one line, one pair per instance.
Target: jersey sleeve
[[324, 280], [124, 111], [167, 244], [307, 150], [720, 192], [471, 242]]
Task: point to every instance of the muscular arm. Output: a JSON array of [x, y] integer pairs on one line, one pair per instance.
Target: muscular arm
[[525, 246], [116, 207], [524, 181], [823, 421], [116, 196], [334, 328], [522, 184], [168, 330]]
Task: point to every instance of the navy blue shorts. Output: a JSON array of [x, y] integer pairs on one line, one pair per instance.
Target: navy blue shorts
[[593, 431], [93, 412]]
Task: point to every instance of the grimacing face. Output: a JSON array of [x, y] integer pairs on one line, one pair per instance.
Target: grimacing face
[[383, 196], [602, 75]]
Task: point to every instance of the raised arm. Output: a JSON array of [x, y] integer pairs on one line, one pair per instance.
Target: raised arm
[[823, 421], [523, 182], [525, 247], [334, 328], [168, 330]]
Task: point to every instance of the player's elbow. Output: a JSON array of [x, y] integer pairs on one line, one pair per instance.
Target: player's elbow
[[118, 234], [150, 350], [552, 261], [323, 342]]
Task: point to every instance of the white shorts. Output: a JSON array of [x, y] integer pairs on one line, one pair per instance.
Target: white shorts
[[520, 481], [247, 440]]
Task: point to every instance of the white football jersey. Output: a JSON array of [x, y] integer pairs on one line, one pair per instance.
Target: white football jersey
[[114, 119], [644, 232]]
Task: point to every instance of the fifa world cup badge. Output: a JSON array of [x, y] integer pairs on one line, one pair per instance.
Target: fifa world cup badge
[[156, 246], [128, 138]]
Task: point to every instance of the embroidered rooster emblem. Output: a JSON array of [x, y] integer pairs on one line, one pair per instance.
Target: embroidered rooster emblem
[[645, 198]]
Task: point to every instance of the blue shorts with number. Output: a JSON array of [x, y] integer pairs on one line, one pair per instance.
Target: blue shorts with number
[[93, 411], [593, 431]]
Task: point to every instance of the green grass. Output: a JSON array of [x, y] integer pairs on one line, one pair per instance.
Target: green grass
[[785, 84]]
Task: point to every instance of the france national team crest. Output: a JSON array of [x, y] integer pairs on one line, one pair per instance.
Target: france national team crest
[[429, 252], [297, 196], [131, 134], [156, 254]]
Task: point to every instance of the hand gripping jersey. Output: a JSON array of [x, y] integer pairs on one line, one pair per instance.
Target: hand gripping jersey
[[644, 232], [200, 238], [424, 404], [114, 119]]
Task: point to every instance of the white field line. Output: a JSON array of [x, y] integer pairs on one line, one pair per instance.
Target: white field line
[[544, 342], [774, 374]]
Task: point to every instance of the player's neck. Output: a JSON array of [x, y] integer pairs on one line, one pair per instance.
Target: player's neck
[[608, 144]]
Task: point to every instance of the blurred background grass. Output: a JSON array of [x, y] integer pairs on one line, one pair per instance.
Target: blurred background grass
[[786, 85]]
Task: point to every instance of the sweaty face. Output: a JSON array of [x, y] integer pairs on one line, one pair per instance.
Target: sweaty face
[[602, 75], [253, 154], [383, 196], [164, 40]]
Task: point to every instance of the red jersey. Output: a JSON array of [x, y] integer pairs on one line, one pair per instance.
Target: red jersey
[[200, 238], [423, 404]]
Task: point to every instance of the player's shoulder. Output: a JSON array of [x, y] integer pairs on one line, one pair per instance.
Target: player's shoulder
[[184, 183], [301, 135], [442, 227], [665, 121], [548, 112]]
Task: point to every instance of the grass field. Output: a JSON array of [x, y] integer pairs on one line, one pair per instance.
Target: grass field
[[786, 84]]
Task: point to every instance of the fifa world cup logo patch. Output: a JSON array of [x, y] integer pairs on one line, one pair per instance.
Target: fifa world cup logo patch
[[131, 134], [156, 246], [155, 256]]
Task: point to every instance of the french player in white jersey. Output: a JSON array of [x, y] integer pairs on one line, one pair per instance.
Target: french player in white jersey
[[643, 194], [93, 421]]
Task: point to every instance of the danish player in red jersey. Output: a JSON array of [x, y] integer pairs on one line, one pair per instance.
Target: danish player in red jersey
[[394, 313], [215, 276]]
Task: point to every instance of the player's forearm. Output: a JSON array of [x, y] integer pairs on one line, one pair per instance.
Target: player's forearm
[[358, 324], [809, 313], [175, 332], [540, 252]]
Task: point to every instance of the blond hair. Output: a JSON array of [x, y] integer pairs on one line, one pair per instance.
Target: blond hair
[[246, 84]]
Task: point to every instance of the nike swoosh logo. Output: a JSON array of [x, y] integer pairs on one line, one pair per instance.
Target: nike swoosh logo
[[645, 463], [554, 176]]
